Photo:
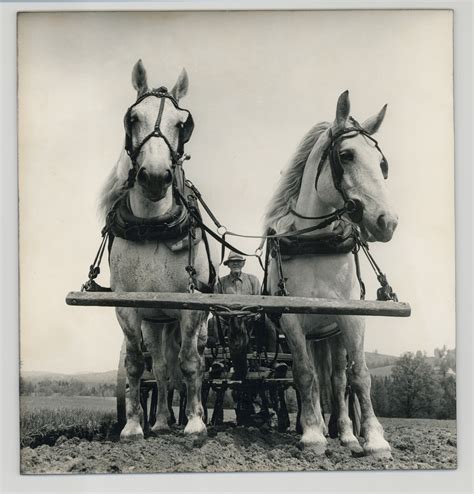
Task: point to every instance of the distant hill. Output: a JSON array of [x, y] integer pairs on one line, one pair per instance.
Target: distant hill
[[374, 360], [108, 377]]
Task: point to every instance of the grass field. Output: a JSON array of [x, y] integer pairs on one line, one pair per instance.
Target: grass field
[[43, 419]]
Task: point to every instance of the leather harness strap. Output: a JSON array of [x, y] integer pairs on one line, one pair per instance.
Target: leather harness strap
[[332, 151], [186, 222], [184, 135]]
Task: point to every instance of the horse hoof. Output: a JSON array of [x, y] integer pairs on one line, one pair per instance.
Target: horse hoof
[[316, 442], [132, 433], [379, 449], [350, 441], [379, 453], [195, 427], [160, 427], [354, 447]]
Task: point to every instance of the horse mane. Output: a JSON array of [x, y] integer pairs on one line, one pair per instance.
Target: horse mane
[[114, 187], [277, 215]]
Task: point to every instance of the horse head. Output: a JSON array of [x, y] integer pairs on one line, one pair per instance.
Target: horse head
[[156, 129], [350, 169]]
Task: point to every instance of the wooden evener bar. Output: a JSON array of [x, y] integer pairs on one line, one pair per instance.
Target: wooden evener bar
[[254, 303]]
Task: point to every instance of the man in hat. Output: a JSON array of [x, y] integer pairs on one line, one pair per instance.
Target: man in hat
[[239, 283]]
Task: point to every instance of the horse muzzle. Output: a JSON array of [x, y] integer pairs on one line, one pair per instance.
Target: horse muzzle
[[384, 227], [154, 184]]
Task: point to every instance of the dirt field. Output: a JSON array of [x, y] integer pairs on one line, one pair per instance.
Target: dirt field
[[416, 444]]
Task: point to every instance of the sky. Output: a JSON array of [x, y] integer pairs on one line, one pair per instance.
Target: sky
[[257, 82]]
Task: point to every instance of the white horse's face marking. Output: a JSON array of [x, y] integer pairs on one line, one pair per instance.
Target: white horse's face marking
[[362, 177], [154, 159]]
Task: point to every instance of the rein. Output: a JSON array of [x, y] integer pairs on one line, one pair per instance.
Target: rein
[[348, 208], [385, 291], [353, 208]]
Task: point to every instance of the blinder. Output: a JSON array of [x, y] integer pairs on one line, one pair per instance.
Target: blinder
[[185, 133], [332, 151]]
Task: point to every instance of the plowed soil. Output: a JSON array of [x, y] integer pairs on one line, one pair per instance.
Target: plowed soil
[[416, 444]]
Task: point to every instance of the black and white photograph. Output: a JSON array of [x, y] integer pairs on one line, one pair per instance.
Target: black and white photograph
[[236, 241]]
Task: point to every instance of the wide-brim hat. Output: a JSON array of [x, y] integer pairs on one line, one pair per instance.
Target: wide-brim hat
[[233, 256]]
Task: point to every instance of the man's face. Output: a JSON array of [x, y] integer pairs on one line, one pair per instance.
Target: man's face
[[235, 266]]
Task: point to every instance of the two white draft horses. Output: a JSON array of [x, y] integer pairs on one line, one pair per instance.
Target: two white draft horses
[[336, 175]]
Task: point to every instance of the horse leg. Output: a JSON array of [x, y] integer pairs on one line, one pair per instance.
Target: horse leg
[[371, 429], [339, 383], [171, 346], [134, 365], [305, 379], [319, 354], [202, 341], [153, 339], [192, 368]]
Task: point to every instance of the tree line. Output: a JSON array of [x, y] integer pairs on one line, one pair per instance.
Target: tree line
[[418, 387], [69, 387]]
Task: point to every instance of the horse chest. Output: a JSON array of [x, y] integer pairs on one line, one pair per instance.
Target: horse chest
[[329, 276], [147, 266]]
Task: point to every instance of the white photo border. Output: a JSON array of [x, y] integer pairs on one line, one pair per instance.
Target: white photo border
[[459, 480]]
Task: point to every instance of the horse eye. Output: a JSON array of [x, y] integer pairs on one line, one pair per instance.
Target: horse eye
[[346, 156]]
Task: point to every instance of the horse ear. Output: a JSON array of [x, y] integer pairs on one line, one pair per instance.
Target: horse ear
[[180, 89], [343, 108], [372, 124], [139, 78]]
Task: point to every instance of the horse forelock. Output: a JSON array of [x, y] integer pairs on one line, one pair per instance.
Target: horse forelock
[[277, 215], [114, 186]]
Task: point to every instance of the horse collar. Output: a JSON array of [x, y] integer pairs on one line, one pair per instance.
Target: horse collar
[[121, 222]]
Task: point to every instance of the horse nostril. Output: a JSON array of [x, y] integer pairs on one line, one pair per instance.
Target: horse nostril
[[381, 223], [142, 175], [168, 177]]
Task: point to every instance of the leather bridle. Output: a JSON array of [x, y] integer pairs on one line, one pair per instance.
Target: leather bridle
[[332, 151], [185, 132]]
